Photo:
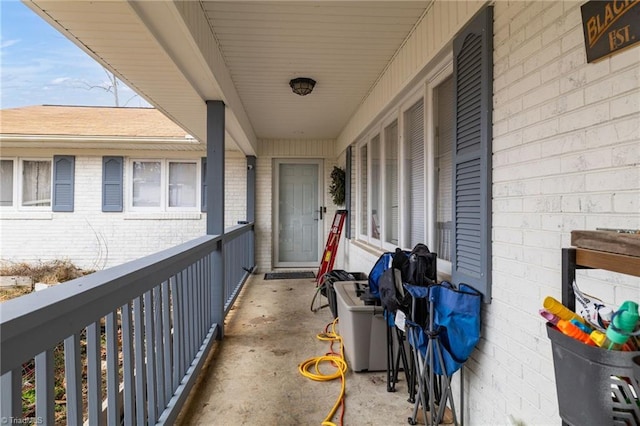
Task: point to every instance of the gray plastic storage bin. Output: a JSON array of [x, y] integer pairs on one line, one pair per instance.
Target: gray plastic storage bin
[[331, 292], [362, 328], [595, 386]]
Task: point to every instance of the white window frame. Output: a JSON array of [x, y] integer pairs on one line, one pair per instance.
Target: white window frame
[[359, 173], [384, 196], [15, 184], [18, 196], [379, 219], [198, 185], [444, 71], [424, 90], [164, 185], [408, 103]]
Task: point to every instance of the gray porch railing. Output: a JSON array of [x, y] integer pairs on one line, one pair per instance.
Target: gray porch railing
[[153, 319]]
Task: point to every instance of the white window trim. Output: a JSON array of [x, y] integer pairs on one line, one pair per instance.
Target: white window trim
[[15, 185], [18, 196], [439, 76], [359, 173], [198, 184], [393, 116], [372, 135], [164, 185], [423, 90]]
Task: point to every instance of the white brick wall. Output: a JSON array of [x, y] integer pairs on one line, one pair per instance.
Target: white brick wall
[[551, 175], [96, 240], [565, 157]]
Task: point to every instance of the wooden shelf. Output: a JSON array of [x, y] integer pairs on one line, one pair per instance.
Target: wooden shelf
[[614, 262]]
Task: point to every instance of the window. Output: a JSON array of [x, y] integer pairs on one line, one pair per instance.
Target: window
[[444, 170], [375, 186], [363, 189], [39, 184], [6, 183], [391, 206], [444, 195], [36, 183], [415, 172], [182, 184], [147, 188], [165, 185]]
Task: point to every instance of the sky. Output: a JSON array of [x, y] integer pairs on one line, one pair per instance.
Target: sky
[[40, 66]]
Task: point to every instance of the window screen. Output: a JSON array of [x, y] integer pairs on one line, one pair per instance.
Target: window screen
[[391, 183], [415, 174], [445, 109], [363, 190], [375, 187]]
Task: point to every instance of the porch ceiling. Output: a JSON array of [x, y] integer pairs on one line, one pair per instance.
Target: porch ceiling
[[179, 54]]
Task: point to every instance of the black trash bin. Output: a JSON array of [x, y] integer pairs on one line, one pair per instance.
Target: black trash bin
[[334, 276], [595, 386]]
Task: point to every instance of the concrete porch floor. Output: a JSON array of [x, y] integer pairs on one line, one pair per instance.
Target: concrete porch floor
[[252, 376]]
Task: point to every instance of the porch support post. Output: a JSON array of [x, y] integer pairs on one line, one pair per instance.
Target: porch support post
[[251, 188], [215, 207]]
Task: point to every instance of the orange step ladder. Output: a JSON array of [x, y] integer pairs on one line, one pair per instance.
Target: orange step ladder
[[328, 257]]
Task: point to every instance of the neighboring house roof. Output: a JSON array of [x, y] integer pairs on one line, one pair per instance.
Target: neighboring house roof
[[81, 125], [88, 121]]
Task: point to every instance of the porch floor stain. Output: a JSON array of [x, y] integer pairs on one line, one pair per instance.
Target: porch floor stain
[[252, 378]]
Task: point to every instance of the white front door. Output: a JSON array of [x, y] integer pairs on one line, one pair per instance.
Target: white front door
[[298, 218]]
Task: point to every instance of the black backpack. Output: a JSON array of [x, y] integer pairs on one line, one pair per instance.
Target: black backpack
[[422, 268], [392, 294]]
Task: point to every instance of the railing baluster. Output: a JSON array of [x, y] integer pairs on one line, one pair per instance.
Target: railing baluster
[[158, 347], [166, 335], [207, 293], [11, 387], [184, 326], [151, 359], [176, 292], [210, 284], [201, 322], [73, 376], [113, 376], [45, 384], [162, 329], [94, 376], [189, 313], [127, 365], [141, 400]]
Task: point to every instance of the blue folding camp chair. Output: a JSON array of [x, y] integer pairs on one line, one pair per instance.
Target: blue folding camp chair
[[442, 346]]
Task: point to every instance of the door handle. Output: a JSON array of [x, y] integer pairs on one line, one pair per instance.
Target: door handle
[[320, 211]]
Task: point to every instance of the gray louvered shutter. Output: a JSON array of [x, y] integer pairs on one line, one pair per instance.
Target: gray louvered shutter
[[203, 195], [112, 169], [63, 171], [473, 75]]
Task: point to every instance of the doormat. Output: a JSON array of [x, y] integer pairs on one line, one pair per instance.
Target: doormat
[[294, 275]]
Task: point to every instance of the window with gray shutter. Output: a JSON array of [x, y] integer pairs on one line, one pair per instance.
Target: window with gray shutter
[[112, 169], [473, 76], [63, 171]]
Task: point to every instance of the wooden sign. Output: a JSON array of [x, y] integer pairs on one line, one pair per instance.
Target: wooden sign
[[610, 26]]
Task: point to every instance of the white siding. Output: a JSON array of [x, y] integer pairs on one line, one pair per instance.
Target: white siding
[[96, 240]]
